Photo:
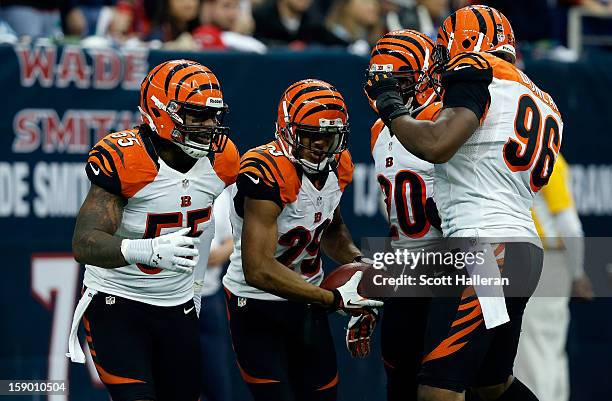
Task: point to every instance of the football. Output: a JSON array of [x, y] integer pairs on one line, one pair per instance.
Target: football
[[342, 274]]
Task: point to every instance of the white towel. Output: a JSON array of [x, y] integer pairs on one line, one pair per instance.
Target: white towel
[[75, 353], [491, 297]]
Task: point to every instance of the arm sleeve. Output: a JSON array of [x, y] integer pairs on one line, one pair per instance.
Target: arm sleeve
[[221, 212], [255, 188], [569, 226], [467, 86], [101, 170]]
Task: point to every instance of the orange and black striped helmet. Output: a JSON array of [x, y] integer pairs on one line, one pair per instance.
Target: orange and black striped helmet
[[406, 55], [477, 29], [180, 90], [312, 124]]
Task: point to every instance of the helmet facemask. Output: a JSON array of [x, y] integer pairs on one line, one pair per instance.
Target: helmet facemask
[[322, 143], [190, 132]]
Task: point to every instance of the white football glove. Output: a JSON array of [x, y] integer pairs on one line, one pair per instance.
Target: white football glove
[[359, 333], [346, 296], [168, 251]]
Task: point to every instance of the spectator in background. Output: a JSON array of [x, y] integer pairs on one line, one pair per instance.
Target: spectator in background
[[216, 353], [356, 23], [82, 15], [597, 6], [132, 18], [33, 18], [221, 25], [291, 22], [422, 15], [174, 22]]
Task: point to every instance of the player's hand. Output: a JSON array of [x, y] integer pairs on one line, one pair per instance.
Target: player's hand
[[359, 333], [174, 251], [346, 296], [385, 97], [582, 288], [380, 83]]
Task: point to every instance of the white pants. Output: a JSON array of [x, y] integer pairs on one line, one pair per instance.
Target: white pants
[[541, 361]]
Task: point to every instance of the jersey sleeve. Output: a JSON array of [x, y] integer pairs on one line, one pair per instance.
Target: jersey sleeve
[[101, 169], [375, 133], [227, 163], [122, 163], [260, 177], [466, 83], [345, 169]]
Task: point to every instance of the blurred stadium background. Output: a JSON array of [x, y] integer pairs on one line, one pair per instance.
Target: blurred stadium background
[[71, 72]]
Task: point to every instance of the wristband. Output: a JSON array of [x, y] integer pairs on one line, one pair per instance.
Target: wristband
[[137, 250], [390, 105]]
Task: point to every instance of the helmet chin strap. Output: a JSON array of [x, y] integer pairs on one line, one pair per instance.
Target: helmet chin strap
[[313, 168], [192, 152]]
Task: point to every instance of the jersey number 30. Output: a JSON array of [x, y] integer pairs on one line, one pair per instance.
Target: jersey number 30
[[418, 225], [537, 144]]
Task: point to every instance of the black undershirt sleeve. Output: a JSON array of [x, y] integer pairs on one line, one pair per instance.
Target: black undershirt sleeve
[[467, 87]]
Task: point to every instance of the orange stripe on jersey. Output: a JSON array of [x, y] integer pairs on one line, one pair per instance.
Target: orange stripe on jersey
[[345, 169], [475, 60], [124, 154], [450, 345], [109, 378], [227, 163], [331, 384], [375, 133], [430, 113], [252, 379], [476, 312], [509, 72], [271, 165]]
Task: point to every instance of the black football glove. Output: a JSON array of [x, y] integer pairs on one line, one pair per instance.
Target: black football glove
[[384, 92]]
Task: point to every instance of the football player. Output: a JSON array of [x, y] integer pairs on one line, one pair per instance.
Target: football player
[[494, 145], [407, 185], [152, 190], [286, 209]]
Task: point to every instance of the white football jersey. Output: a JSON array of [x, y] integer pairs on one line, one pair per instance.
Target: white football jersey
[[487, 188], [159, 200], [406, 183], [306, 213]]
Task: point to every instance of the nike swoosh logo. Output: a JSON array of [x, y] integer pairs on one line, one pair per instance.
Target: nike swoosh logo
[[95, 170], [349, 303], [186, 311], [255, 180], [461, 67]]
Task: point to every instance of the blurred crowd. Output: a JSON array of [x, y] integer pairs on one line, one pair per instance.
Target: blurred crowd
[[257, 25]]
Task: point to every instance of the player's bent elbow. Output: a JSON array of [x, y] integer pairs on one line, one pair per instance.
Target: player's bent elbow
[[77, 251], [254, 274], [436, 155]]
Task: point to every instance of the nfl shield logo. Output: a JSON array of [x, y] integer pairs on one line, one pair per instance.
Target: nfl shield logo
[[241, 302], [500, 33], [319, 200], [110, 300]]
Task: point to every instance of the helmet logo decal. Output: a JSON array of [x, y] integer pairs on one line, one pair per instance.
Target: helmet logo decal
[[500, 33], [381, 67], [324, 122], [214, 102], [172, 107]]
